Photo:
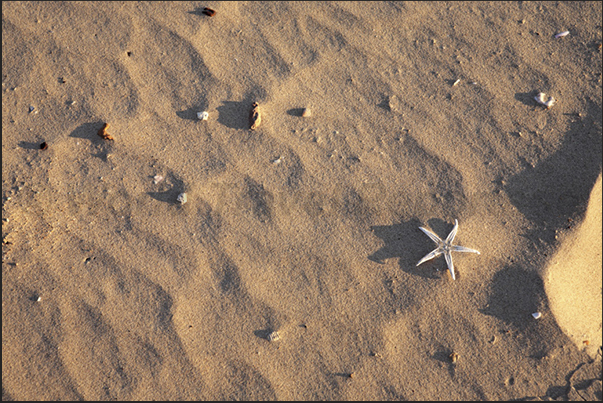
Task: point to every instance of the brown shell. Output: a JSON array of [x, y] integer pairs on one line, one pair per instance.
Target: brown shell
[[103, 132], [208, 11], [254, 117]]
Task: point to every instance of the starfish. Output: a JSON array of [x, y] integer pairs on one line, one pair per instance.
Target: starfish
[[446, 247]]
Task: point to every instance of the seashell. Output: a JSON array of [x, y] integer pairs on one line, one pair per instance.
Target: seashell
[[536, 315], [103, 132], [273, 336], [43, 146], [254, 116], [181, 198], [306, 113], [208, 11], [202, 115], [562, 34], [157, 179], [541, 99]]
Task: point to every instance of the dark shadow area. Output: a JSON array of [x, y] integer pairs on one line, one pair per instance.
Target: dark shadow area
[[555, 392], [445, 357], [385, 104], [234, 115], [516, 294], [409, 244], [89, 131], [295, 112], [199, 11], [189, 114], [527, 98], [558, 188], [29, 145], [262, 333], [170, 195]]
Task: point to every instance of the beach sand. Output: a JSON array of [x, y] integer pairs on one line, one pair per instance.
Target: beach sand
[[421, 113]]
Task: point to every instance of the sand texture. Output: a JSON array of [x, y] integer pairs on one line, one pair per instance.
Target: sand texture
[[290, 272]]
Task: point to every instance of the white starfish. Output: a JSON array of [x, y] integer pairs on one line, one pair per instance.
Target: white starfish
[[445, 247]]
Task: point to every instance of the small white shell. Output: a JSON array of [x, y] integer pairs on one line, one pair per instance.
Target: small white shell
[[181, 198], [202, 115], [273, 336], [157, 179], [562, 34], [536, 315], [541, 99]]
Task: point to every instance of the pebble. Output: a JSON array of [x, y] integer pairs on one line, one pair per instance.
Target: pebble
[[157, 179], [273, 336], [203, 115], [306, 113], [536, 315], [181, 198]]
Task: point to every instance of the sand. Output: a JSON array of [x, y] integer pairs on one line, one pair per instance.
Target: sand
[[421, 113]]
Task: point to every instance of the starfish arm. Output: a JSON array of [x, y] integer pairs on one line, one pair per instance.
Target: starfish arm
[[431, 235], [430, 255], [450, 264], [452, 234], [457, 248]]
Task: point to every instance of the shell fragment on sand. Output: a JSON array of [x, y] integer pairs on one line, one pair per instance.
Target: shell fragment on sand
[[102, 132], [203, 115], [541, 99], [562, 34], [273, 336], [181, 198], [255, 118]]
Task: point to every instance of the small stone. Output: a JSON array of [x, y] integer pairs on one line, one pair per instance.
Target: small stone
[[536, 315], [157, 179], [181, 198], [273, 336], [203, 115], [306, 113]]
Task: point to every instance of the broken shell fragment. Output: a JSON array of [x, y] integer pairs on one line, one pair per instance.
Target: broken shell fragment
[[562, 34], [254, 116], [208, 11], [306, 113], [157, 179], [273, 336], [202, 115], [43, 146], [103, 132], [536, 315], [541, 99], [181, 198]]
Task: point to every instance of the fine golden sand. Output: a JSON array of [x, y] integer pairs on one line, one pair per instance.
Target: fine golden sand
[[417, 114]]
